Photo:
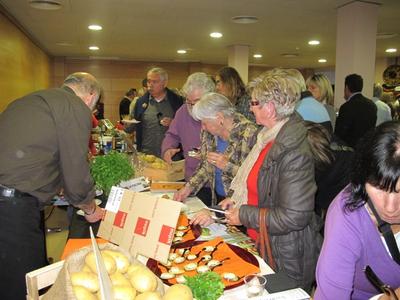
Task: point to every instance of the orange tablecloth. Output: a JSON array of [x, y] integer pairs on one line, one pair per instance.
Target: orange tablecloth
[[74, 244]]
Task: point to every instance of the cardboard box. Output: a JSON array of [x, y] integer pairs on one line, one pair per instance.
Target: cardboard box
[[166, 186], [174, 172], [141, 223]]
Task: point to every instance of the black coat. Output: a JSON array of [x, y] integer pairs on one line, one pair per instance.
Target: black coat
[[356, 117]]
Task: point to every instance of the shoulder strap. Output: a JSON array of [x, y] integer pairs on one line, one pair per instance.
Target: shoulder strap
[[387, 233], [263, 239]]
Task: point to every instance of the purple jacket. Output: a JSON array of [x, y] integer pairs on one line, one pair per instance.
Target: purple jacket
[[352, 241], [186, 131]]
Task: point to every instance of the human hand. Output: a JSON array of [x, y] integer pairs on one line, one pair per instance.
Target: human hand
[[390, 297], [227, 203], [217, 159], [202, 218], [183, 193], [165, 121], [95, 216], [232, 217], [169, 154]]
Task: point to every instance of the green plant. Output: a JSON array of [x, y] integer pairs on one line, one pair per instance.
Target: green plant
[[206, 286], [111, 169]]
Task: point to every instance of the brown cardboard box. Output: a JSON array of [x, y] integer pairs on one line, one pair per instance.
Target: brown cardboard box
[[141, 223], [174, 172]]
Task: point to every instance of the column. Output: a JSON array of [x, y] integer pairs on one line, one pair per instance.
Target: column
[[356, 45], [238, 58]]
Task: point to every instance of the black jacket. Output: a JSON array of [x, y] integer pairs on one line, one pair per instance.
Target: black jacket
[[356, 117]]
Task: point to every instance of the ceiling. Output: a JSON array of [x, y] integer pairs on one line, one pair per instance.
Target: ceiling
[[153, 30]]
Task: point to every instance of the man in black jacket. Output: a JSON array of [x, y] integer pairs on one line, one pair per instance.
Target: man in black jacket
[[155, 111], [357, 115]]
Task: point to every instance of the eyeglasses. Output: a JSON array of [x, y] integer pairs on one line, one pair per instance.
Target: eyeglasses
[[254, 103], [192, 102]]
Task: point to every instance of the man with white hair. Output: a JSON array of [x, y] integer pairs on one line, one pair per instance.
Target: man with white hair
[[45, 145], [383, 113], [155, 111]]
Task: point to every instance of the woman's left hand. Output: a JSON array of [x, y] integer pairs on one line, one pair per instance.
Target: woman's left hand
[[217, 159], [232, 217], [202, 218]]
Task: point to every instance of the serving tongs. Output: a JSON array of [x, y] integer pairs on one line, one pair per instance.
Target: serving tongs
[[377, 283]]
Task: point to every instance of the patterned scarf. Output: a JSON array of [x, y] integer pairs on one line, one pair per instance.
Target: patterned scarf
[[239, 183]]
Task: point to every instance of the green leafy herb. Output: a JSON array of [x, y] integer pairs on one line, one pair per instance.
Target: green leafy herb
[[111, 169], [206, 286]]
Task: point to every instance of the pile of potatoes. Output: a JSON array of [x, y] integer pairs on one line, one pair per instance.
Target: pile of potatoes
[[130, 281]]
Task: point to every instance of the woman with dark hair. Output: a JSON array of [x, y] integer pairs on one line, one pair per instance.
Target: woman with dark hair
[[356, 219], [229, 84], [332, 165]]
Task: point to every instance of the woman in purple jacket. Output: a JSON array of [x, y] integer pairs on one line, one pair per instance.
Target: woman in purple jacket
[[352, 237]]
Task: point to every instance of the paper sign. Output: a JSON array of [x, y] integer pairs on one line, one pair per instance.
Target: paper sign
[[143, 224], [137, 184], [114, 199]]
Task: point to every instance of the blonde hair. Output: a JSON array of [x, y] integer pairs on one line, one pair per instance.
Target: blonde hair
[[324, 86], [279, 87]]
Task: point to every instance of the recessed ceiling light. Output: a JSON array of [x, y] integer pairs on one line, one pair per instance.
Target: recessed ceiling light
[[94, 48], [391, 50], [181, 51], [289, 55], [244, 19], [216, 35], [385, 35], [95, 27], [45, 4], [313, 42], [64, 44], [257, 55], [322, 60]]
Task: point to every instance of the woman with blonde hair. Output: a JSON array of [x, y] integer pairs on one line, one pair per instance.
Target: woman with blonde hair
[[321, 89]]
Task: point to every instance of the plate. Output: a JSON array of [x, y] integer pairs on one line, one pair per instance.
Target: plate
[[81, 213], [196, 230], [246, 256]]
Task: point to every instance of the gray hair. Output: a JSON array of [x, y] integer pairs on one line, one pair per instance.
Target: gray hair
[[378, 90], [83, 84], [278, 86], [160, 71], [198, 81], [210, 104], [298, 77]]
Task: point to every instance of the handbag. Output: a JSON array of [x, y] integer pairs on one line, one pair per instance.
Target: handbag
[[263, 241], [278, 281]]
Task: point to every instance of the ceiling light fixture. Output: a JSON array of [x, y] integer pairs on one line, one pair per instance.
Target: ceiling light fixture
[[289, 55], [244, 19], [181, 51], [94, 48], [257, 55], [385, 35], [313, 42], [45, 4], [391, 50], [216, 35], [95, 27], [322, 60]]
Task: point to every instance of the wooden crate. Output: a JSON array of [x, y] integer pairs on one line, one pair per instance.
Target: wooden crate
[[174, 172], [41, 278]]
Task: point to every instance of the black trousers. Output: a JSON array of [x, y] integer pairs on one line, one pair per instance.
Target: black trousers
[[22, 244]]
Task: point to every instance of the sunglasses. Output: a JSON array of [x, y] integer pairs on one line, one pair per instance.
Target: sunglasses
[[254, 103]]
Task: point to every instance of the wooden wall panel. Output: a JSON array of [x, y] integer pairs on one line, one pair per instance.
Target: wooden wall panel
[[24, 67]]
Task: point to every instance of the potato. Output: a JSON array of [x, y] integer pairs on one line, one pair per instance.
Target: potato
[[86, 280], [178, 291], [134, 268], [118, 279], [144, 281], [150, 296], [149, 158], [124, 292], [121, 260], [86, 269], [83, 294], [109, 262]]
